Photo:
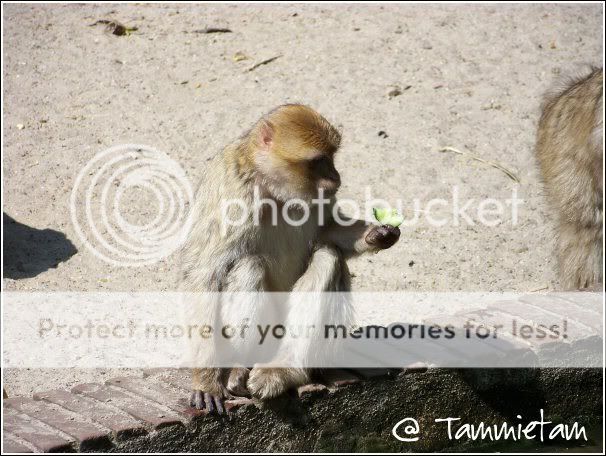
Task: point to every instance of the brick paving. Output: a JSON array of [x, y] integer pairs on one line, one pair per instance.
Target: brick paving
[[95, 417]]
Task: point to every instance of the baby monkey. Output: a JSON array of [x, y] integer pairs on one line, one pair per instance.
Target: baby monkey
[[287, 155], [569, 149]]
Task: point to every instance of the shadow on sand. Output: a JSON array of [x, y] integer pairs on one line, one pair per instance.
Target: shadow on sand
[[29, 251]]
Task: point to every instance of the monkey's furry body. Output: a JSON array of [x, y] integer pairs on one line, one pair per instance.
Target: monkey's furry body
[[570, 152], [286, 156]]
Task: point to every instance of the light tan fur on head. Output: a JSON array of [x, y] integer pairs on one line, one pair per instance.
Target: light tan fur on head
[[292, 150]]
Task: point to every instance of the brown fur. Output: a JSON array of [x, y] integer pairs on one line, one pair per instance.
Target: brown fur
[[569, 151], [281, 146], [300, 133]]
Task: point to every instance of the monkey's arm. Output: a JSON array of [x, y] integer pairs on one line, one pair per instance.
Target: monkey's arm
[[359, 237]]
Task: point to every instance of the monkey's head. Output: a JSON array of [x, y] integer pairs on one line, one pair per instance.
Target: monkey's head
[[294, 150]]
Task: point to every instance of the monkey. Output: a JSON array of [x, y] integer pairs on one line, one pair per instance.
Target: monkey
[[569, 151], [287, 155]]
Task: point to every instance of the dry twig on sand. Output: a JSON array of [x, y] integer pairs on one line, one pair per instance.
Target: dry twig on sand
[[264, 62], [209, 30], [115, 27], [507, 171]]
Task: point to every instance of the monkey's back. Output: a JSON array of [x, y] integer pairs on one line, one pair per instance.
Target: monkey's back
[[569, 148], [569, 152]]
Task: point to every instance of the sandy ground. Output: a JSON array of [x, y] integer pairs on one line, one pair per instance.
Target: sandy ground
[[471, 78]]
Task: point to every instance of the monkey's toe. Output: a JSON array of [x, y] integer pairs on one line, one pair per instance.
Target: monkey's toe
[[196, 400], [205, 401]]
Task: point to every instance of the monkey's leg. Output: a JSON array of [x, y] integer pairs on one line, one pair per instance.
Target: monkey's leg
[[213, 385], [208, 391], [326, 272], [579, 255]]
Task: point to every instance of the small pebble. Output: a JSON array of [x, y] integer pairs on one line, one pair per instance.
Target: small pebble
[[394, 93]]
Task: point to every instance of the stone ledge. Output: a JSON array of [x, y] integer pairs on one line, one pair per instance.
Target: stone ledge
[[344, 411]]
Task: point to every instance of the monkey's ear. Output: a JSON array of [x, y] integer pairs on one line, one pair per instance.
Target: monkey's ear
[[266, 134]]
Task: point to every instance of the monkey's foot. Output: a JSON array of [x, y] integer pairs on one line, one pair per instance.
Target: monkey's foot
[[205, 401], [267, 383]]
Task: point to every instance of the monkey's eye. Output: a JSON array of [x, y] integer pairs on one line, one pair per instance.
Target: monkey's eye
[[318, 162]]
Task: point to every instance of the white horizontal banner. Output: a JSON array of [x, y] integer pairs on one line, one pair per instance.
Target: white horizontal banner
[[459, 330]]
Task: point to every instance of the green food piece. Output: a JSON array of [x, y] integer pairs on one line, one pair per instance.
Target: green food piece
[[388, 216]]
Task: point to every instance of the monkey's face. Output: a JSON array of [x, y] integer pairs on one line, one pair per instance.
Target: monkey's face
[[323, 175], [304, 179]]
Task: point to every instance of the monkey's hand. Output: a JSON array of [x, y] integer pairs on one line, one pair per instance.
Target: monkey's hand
[[382, 237]]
